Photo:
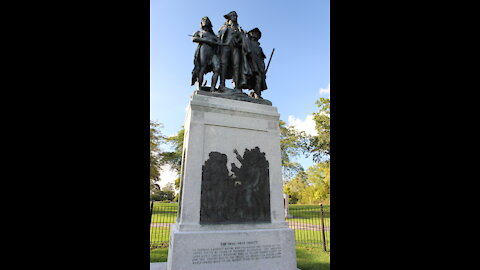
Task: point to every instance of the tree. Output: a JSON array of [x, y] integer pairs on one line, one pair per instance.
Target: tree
[[168, 188], [161, 195], [294, 187], [156, 139], [318, 187], [291, 142], [177, 183], [319, 145], [174, 158], [169, 192]]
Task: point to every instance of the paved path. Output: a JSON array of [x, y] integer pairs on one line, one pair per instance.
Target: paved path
[[306, 226], [164, 225]]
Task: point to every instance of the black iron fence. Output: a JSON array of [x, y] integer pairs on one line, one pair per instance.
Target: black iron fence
[[162, 216], [310, 222]]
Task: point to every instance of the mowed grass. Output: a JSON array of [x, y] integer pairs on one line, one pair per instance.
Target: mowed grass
[[159, 234], [308, 258], [312, 258], [158, 255], [309, 238]]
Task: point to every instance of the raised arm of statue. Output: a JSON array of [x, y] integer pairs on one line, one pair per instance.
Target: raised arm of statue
[[238, 155], [198, 38], [203, 40]]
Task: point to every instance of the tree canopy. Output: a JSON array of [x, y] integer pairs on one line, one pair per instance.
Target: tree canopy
[[156, 140], [319, 145], [174, 158], [291, 142], [310, 187], [158, 158]]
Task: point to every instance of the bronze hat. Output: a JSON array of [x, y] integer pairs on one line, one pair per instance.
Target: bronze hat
[[256, 30], [230, 14]]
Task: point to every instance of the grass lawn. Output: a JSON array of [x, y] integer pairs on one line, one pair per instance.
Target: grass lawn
[[308, 258], [312, 258]]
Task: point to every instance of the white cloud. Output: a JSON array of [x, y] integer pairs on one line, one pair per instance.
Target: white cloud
[[167, 175], [324, 91], [307, 125]]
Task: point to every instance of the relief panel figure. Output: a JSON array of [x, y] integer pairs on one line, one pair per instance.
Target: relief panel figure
[[242, 197]]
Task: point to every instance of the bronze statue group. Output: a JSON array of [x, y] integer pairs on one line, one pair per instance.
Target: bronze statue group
[[234, 54]]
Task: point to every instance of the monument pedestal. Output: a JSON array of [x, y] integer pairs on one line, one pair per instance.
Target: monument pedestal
[[258, 249], [231, 212]]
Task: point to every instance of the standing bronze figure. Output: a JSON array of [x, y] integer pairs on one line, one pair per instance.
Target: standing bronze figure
[[206, 56], [232, 54], [257, 81]]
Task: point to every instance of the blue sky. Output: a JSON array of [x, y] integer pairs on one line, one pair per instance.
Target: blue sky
[[298, 30]]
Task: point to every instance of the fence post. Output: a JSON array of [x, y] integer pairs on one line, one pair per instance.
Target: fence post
[[323, 229], [151, 212]]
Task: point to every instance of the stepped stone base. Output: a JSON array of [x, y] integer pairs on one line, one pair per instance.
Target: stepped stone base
[[232, 250]]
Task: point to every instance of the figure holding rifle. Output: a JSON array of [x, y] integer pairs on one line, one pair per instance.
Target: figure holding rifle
[[257, 81]]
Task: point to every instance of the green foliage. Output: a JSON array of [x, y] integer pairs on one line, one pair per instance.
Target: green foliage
[[177, 183], [294, 187], [159, 158], [319, 145], [311, 187], [165, 194], [169, 187], [321, 142], [157, 195], [291, 142], [318, 189], [174, 158], [156, 139]]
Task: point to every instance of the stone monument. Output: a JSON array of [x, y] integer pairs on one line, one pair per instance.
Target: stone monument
[[231, 212]]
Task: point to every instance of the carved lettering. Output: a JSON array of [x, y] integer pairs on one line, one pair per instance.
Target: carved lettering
[[237, 253]]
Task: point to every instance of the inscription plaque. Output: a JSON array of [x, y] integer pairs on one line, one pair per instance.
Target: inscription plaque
[[235, 252]]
